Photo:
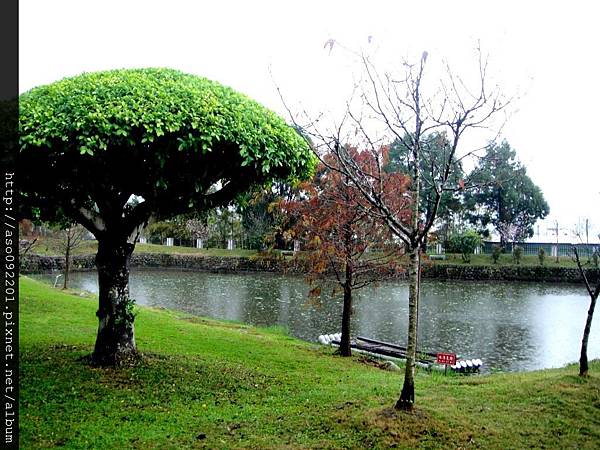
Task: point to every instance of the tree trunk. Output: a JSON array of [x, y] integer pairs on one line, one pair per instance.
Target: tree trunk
[[67, 267], [583, 360], [115, 342], [345, 349], [407, 396]]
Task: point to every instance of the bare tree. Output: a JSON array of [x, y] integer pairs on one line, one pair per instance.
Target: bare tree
[[25, 246], [28, 237], [198, 228], [383, 108], [510, 232], [593, 293], [69, 239]]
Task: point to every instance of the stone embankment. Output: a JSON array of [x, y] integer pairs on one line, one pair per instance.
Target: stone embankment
[[38, 263], [547, 274]]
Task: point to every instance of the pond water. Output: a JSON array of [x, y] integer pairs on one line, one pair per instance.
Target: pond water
[[510, 326]]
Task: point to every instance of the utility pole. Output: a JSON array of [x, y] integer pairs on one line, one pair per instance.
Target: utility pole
[[555, 229], [587, 238]]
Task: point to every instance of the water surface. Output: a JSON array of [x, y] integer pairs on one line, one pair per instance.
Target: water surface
[[510, 326]]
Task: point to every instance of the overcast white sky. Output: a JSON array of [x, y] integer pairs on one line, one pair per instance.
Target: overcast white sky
[[547, 51]]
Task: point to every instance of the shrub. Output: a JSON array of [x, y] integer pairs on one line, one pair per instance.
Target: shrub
[[541, 255], [517, 254], [464, 243], [496, 252]]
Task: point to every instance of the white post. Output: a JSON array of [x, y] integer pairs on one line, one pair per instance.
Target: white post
[[438, 248], [554, 250], [230, 245], [296, 245], [142, 240], [170, 242], [199, 243]]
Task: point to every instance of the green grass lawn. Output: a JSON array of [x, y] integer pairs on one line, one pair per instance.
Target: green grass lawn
[[209, 384], [91, 247]]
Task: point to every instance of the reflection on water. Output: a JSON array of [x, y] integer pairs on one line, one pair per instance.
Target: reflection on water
[[510, 326]]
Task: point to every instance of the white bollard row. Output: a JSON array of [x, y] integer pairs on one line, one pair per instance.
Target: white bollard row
[[326, 339], [468, 365]]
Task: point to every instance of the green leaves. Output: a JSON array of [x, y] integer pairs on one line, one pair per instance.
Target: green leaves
[[464, 243], [86, 151], [160, 134], [158, 105], [504, 195]]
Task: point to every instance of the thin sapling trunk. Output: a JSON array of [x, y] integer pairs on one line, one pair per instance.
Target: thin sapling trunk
[[345, 349], [593, 293], [407, 395], [67, 266]]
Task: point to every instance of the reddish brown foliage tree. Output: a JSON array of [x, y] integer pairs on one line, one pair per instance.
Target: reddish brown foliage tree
[[343, 240]]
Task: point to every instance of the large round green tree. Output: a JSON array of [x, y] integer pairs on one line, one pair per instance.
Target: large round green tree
[[112, 149]]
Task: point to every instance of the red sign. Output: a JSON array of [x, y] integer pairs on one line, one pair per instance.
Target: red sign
[[446, 358]]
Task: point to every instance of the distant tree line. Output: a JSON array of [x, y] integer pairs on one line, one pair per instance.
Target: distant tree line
[[497, 195], [254, 221]]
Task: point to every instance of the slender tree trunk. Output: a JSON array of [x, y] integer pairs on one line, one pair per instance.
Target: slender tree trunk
[[407, 396], [67, 266], [583, 359], [115, 342], [501, 218], [345, 349]]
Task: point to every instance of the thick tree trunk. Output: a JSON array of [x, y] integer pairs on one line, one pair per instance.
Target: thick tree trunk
[[583, 359], [67, 268], [345, 349], [115, 342], [407, 396]]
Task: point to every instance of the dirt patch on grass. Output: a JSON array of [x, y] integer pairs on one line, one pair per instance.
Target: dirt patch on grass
[[215, 324], [404, 429], [382, 364]]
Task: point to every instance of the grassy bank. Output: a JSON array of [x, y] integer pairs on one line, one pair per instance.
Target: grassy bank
[[49, 248], [506, 260], [208, 384]]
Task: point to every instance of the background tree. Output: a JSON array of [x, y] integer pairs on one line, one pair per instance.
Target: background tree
[[504, 196], [67, 239], [224, 224], [28, 238], [464, 243], [593, 293], [394, 106], [434, 150], [111, 150], [262, 220], [343, 241], [172, 228], [197, 227]]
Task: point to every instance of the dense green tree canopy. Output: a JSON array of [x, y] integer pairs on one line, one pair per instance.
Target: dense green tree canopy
[[170, 138], [504, 196], [435, 150]]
